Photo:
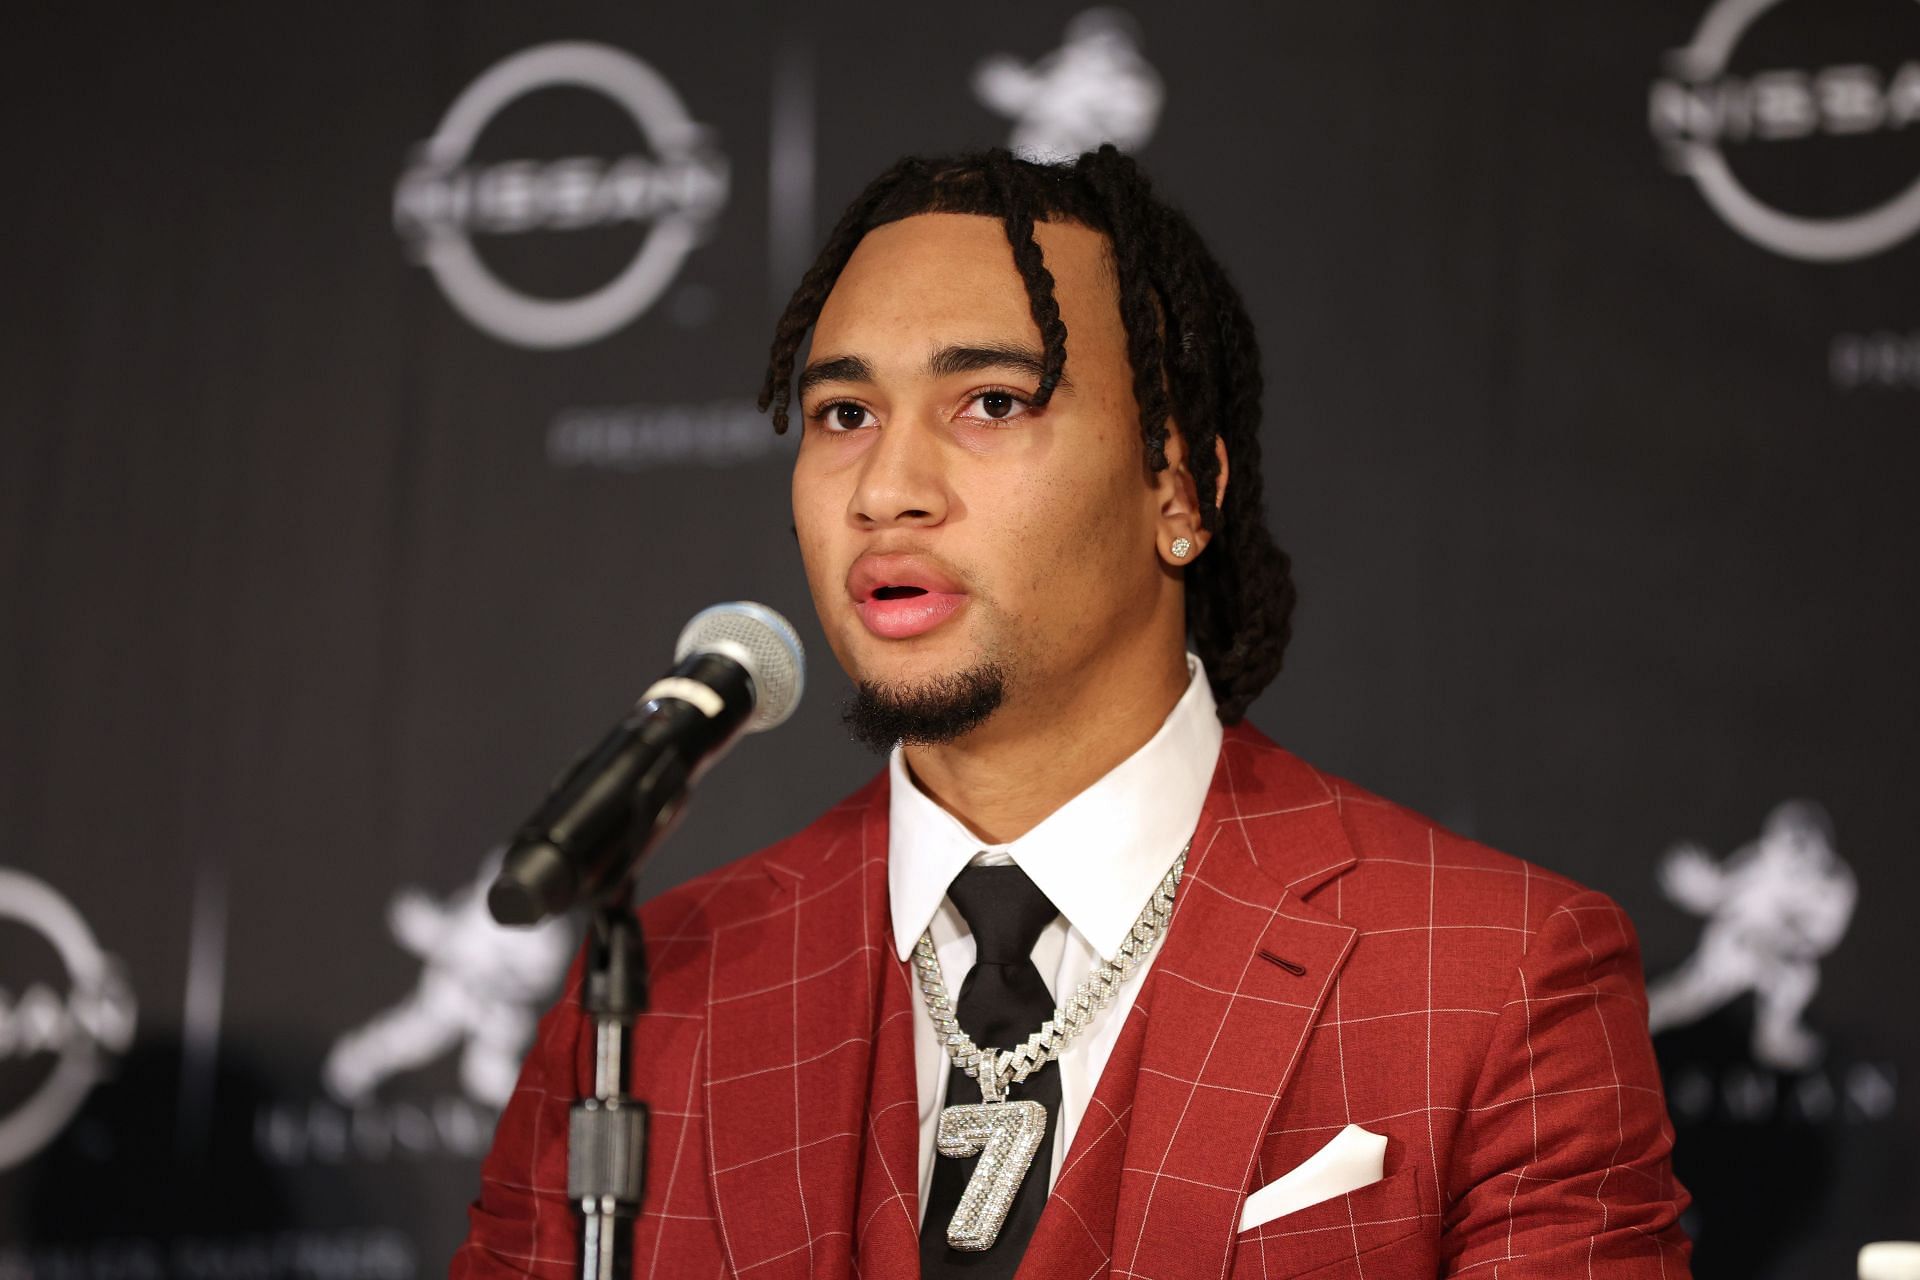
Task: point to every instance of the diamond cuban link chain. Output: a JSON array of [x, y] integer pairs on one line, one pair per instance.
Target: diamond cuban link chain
[[1006, 1134]]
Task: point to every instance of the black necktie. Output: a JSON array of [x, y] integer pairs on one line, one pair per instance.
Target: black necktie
[[1002, 1002]]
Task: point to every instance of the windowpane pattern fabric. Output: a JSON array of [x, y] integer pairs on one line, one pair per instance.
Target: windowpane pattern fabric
[[1333, 959]]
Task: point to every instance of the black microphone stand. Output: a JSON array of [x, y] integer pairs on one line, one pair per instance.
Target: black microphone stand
[[607, 1133]]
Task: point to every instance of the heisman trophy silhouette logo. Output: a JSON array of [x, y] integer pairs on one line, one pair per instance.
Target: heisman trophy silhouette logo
[[1096, 87], [1773, 908], [481, 989]]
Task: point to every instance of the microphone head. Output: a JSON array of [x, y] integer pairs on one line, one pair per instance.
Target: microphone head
[[761, 641]]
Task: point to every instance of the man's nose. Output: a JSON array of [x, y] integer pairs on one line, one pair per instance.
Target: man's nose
[[902, 478]]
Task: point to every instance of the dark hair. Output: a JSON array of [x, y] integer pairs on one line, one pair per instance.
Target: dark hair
[[1192, 347]]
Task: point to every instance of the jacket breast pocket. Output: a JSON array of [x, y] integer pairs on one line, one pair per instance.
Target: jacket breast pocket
[[1385, 1229]]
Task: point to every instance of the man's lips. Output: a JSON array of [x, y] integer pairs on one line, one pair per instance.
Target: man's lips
[[898, 596], [896, 619]]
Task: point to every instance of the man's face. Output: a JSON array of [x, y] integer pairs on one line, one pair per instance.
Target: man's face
[[944, 521]]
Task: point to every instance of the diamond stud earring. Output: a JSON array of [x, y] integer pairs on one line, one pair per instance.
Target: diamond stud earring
[[1180, 548]]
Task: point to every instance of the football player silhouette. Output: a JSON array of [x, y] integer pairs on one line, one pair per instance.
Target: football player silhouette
[[1773, 908], [481, 989]]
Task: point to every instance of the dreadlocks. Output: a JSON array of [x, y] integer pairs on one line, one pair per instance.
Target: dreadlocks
[[1189, 340]]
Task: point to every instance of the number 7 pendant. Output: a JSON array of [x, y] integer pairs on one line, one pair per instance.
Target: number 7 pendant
[[1005, 1135]]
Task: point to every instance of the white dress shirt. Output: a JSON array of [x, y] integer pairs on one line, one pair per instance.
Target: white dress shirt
[[1098, 858]]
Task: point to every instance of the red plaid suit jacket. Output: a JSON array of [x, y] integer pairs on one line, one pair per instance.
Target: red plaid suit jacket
[[1485, 1015]]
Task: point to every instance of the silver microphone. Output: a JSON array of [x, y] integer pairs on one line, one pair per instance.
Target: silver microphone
[[738, 668]]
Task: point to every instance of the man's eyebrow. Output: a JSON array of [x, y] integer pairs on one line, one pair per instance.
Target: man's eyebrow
[[973, 358], [837, 369]]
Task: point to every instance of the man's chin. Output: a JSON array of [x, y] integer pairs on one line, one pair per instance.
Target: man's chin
[[929, 710]]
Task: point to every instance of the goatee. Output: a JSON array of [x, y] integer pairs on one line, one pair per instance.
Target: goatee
[[927, 713]]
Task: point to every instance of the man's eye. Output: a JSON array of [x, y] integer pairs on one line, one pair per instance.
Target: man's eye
[[999, 405], [845, 416]]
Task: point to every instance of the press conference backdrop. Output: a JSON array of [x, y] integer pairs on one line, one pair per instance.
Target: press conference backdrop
[[377, 405]]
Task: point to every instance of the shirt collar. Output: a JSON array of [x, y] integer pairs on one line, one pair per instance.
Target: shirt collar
[[1130, 825]]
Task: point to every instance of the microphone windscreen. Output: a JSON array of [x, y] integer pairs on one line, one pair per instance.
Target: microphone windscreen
[[761, 641]]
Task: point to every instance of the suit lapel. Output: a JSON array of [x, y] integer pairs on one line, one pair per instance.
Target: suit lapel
[[806, 1076], [887, 1222], [1160, 1166]]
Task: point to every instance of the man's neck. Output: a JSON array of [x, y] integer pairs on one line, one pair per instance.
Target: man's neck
[[1006, 777]]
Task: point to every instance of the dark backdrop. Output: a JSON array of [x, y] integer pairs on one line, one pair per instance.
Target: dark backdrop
[[1594, 378]]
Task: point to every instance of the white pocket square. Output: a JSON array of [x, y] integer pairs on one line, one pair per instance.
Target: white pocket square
[[1353, 1159]]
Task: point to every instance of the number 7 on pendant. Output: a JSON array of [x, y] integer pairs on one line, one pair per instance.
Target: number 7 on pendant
[[1005, 1135]]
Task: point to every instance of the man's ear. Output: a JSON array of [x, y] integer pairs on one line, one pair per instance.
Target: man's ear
[[1178, 534]]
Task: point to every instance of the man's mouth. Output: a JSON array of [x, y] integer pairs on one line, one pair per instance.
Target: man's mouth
[[900, 596]]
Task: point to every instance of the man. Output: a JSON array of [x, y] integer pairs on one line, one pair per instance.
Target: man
[[1028, 481]]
